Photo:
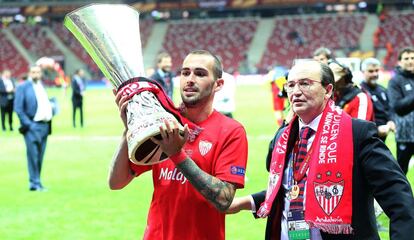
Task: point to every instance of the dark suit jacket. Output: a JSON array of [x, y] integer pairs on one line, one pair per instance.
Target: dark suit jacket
[[168, 88], [25, 105], [76, 91], [3, 94], [375, 174]]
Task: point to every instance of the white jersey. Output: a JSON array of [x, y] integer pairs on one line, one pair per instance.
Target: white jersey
[[224, 100]]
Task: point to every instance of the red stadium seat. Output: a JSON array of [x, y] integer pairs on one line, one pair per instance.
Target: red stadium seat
[[298, 36], [228, 39], [11, 59], [397, 29], [35, 41]]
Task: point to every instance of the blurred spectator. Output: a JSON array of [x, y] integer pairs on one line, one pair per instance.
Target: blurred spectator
[[78, 88], [7, 88], [245, 67], [348, 96], [322, 55], [224, 99], [401, 94], [277, 78], [163, 74], [35, 114], [370, 68], [149, 71]]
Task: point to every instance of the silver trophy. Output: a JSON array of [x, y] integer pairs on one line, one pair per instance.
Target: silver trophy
[[110, 34]]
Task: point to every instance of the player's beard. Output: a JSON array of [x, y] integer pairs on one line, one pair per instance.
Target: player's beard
[[198, 98], [373, 82]]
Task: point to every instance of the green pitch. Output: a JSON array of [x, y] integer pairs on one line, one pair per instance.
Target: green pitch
[[79, 204]]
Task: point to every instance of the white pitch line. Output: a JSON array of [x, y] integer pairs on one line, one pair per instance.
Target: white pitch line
[[85, 138], [263, 137]]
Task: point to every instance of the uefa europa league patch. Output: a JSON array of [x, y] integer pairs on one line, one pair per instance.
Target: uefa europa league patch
[[236, 170]]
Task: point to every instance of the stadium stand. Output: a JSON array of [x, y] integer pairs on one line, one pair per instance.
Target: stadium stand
[[298, 36], [228, 38], [11, 59], [35, 40], [394, 33], [145, 26]]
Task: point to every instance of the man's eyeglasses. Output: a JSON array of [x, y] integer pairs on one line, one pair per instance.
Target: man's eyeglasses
[[199, 72], [304, 84]]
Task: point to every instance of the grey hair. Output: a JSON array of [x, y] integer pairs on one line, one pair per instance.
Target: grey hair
[[323, 51], [369, 61]]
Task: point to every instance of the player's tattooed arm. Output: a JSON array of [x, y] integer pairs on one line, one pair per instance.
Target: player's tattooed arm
[[216, 191]]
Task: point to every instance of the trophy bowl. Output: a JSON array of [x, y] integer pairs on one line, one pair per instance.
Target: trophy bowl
[[110, 34]]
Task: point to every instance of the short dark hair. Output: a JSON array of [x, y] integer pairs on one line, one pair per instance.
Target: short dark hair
[[162, 55], [327, 76], [323, 51], [405, 50], [217, 66]]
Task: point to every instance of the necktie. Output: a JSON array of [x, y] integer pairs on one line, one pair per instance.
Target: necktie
[[300, 167]]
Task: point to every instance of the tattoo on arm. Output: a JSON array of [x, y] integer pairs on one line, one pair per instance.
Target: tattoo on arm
[[216, 191]]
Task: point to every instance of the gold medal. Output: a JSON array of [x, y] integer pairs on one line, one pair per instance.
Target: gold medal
[[294, 192]]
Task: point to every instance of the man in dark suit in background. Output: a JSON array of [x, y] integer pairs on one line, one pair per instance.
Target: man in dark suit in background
[[78, 88], [326, 169], [34, 110], [163, 73], [7, 88]]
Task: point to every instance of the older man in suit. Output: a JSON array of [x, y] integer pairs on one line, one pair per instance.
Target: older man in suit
[[7, 87], [34, 110], [325, 169]]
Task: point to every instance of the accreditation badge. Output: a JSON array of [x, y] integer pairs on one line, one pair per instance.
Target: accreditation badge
[[298, 229]]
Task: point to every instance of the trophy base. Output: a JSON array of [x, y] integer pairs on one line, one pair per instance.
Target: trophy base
[[145, 151], [145, 115]]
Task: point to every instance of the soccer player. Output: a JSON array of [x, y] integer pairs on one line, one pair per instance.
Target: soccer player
[[195, 187]]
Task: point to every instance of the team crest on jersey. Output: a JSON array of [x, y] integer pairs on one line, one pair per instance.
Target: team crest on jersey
[[329, 195], [204, 147]]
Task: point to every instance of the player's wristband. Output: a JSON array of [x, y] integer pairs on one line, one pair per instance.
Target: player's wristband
[[178, 157]]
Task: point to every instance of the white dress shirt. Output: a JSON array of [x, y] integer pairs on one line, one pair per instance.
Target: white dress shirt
[[8, 84], [44, 108]]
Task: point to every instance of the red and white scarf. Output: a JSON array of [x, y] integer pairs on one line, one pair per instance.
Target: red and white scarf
[[328, 196]]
